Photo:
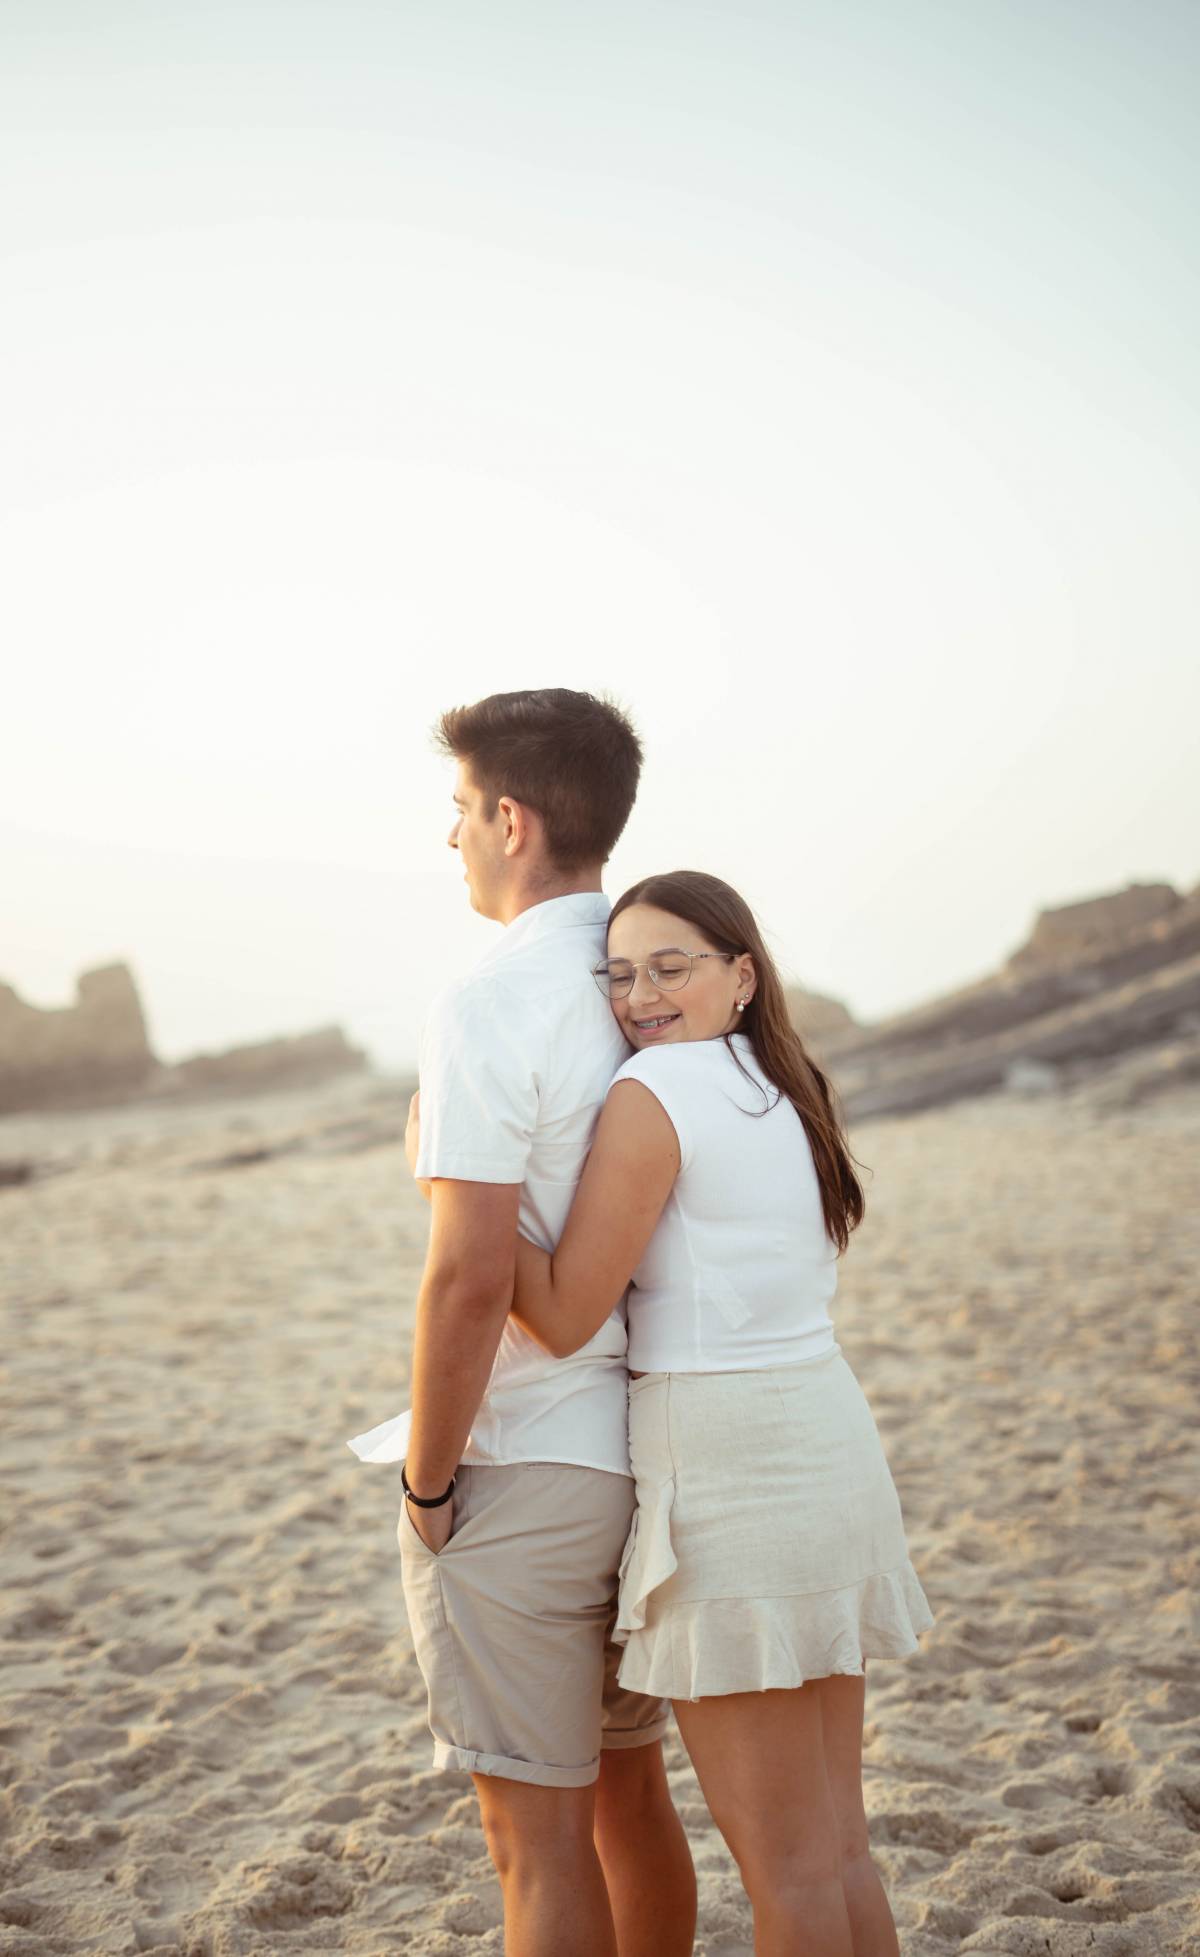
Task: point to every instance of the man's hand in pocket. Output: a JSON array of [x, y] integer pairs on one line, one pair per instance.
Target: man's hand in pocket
[[433, 1525]]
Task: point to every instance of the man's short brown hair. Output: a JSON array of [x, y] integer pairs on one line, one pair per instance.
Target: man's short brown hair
[[572, 757]]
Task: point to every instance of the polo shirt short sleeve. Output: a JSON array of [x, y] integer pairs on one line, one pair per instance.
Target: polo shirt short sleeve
[[479, 1091]]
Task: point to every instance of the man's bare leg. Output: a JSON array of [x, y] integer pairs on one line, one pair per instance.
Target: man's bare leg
[[540, 1841], [644, 1853]]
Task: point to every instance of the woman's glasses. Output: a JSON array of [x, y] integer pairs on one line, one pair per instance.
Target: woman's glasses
[[668, 970]]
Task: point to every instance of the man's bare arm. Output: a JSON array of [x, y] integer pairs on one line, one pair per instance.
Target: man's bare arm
[[465, 1294]]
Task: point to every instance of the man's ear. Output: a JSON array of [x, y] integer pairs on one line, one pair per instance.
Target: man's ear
[[516, 824]]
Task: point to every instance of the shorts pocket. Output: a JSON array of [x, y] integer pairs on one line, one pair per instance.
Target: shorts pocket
[[410, 1538]]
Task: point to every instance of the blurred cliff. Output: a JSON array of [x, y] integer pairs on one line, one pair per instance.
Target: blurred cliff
[[1105, 991], [98, 1050]]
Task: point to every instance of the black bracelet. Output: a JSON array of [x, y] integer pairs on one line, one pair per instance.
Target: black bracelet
[[420, 1501]]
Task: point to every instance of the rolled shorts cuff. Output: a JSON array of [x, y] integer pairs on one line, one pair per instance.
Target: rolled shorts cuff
[[624, 1736], [462, 1759]]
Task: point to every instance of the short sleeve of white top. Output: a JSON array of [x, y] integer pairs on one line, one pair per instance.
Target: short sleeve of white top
[[516, 1059], [740, 1272], [479, 1084]]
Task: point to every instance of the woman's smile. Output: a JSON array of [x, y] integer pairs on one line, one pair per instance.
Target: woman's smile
[[649, 1027]]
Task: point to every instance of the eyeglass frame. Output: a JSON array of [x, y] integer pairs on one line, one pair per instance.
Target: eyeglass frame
[[646, 965]]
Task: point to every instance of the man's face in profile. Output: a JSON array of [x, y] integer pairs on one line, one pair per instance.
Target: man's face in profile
[[478, 836]]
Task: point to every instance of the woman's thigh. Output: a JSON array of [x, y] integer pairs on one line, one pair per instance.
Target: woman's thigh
[[760, 1761]]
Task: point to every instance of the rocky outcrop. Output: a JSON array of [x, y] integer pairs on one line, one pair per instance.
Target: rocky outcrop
[[1074, 933], [300, 1061], [816, 1017], [98, 1051], [94, 1050], [1049, 1018], [1015, 997], [1050, 1050]]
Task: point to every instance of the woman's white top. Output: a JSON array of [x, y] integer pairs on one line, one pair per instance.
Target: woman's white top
[[740, 1271]]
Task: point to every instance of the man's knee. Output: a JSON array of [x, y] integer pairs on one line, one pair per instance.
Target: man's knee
[[631, 1770], [525, 1825], [632, 1787]]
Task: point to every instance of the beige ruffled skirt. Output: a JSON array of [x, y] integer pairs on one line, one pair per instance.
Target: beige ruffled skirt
[[768, 1546]]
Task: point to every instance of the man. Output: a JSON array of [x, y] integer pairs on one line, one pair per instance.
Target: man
[[518, 1499]]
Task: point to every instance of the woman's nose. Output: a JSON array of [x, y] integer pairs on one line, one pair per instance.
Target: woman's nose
[[644, 990]]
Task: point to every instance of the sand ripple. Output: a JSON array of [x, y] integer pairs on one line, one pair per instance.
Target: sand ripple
[[212, 1740]]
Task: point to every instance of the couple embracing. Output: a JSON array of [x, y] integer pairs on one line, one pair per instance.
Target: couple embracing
[[638, 1473]]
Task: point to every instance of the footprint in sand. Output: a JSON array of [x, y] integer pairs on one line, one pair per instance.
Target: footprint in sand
[[469, 1914], [40, 1619], [80, 1796], [1028, 1795], [18, 1912], [342, 1807], [286, 1895], [139, 1658], [922, 1828]]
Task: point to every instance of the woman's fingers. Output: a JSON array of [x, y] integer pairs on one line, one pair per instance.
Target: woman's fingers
[[412, 1131]]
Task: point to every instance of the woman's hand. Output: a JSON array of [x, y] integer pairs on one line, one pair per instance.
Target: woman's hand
[[412, 1142], [533, 1305]]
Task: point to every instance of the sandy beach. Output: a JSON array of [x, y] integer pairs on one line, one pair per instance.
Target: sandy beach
[[212, 1737]]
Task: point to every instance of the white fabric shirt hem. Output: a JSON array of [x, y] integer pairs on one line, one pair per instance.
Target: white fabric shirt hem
[[793, 1352], [470, 1168], [388, 1444]]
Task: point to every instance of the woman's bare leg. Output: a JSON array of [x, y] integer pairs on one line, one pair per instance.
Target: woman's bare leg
[[760, 1761], [874, 1931]]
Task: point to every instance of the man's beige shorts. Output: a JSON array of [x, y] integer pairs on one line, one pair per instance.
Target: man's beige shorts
[[511, 1624]]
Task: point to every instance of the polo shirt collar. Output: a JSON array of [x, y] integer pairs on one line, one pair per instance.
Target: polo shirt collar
[[582, 907]]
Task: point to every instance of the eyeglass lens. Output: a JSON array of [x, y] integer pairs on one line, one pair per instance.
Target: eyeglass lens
[[668, 970]]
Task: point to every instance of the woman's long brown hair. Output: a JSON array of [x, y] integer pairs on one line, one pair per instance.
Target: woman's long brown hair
[[728, 924]]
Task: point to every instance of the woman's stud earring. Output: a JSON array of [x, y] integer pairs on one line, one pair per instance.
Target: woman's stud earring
[[742, 1004]]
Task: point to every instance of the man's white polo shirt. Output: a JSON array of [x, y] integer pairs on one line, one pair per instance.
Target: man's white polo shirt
[[516, 1060]]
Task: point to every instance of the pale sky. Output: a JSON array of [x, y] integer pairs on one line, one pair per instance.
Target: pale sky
[[820, 380]]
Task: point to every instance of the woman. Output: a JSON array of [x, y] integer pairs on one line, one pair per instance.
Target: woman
[[767, 1559]]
